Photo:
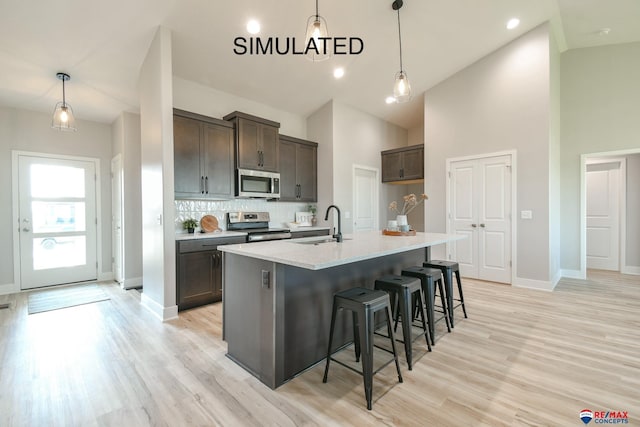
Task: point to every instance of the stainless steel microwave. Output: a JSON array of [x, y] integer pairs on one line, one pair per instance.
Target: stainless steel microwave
[[254, 183]]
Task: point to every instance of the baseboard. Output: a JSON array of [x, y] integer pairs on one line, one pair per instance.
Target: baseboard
[[541, 285], [9, 288], [162, 313], [132, 283], [630, 269], [556, 279], [105, 276], [573, 274]]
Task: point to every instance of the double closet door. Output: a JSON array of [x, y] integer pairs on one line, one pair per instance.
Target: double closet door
[[480, 208]]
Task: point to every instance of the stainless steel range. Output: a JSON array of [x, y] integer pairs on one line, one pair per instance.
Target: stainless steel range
[[256, 225]]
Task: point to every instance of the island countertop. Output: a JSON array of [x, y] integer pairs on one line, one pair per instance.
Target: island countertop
[[304, 253]]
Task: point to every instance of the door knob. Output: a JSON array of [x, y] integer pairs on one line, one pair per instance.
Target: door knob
[[25, 229], [474, 225], [482, 225]]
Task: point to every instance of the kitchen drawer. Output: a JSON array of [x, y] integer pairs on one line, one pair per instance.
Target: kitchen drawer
[[197, 245]]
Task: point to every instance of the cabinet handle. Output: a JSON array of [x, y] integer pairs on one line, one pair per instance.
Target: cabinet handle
[[206, 184], [474, 225], [402, 173], [482, 225], [202, 184], [261, 164]]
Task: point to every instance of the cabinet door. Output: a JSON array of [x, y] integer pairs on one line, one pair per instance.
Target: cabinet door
[[306, 171], [217, 276], [188, 177], [248, 143], [288, 182], [391, 166], [218, 161], [413, 164], [195, 279], [268, 147]]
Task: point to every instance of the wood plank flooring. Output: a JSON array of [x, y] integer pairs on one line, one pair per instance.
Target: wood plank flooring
[[522, 358]]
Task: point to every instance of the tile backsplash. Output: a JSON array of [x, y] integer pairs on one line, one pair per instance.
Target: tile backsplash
[[280, 213]]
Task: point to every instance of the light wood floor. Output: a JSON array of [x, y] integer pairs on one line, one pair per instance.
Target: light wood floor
[[523, 358]]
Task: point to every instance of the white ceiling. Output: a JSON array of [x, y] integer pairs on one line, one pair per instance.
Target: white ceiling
[[102, 46]]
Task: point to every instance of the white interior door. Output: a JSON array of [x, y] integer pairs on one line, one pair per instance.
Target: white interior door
[[603, 216], [365, 199], [116, 223], [480, 208], [57, 220]]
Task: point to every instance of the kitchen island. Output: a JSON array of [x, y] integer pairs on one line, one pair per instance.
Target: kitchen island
[[278, 295]]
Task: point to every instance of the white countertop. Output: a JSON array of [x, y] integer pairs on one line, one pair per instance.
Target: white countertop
[[213, 235], [356, 247]]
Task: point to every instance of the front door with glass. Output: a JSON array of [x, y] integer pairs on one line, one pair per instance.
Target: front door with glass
[[57, 221]]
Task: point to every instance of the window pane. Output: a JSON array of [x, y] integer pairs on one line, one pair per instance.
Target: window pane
[[58, 252], [50, 181], [58, 217]]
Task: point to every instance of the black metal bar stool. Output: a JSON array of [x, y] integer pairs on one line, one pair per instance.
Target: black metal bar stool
[[430, 277], [448, 268], [363, 303], [404, 288]]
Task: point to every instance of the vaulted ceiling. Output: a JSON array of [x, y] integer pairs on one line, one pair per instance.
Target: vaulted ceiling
[[102, 46]]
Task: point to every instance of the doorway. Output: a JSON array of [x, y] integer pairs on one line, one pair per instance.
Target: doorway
[[365, 198], [117, 252], [598, 246], [56, 218], [480, 201]]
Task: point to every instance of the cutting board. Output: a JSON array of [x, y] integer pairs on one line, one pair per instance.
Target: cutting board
[[209, 223]]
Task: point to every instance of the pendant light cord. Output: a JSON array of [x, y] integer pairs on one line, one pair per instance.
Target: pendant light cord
[[399, 39], [317, 9], [64, 99]]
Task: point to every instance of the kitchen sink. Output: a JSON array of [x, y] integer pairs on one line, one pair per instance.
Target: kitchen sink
[[316, 240]]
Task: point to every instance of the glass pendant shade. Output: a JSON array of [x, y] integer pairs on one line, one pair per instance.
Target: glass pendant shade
[[63, 113], [402, 87], [317, 30], [63, 117]]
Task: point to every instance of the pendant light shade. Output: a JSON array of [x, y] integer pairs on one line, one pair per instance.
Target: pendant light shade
[[317, 30], [401, 87], [63, 113]]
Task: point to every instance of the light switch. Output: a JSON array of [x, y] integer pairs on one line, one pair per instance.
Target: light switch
[[526, 214]]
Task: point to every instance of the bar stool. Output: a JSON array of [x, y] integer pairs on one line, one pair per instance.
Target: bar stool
[[430, 277], [404, 288], [448, 268], [363, 303]]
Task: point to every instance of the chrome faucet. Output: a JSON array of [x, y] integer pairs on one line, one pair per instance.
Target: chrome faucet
[[337, 236]]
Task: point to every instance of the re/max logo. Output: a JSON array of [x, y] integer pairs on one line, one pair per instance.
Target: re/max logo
[[289, 46], [610, 414]]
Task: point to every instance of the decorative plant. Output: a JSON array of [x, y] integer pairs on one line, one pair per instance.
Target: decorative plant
[[312, 209], [410, 203], [189, 223]]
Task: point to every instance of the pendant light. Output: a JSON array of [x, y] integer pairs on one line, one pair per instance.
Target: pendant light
[[63, 114], [401, 87], [317, 30]]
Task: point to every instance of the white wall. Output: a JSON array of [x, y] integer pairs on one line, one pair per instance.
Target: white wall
[[600, 90], [554, 163], [501, 102], [31, 131], [126, 141], [356, 138], [156, 155], [193, 97]]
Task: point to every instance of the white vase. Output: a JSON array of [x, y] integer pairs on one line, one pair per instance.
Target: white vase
[[402, 220]]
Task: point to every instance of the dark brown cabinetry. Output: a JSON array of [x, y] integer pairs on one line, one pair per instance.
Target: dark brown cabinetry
[[256, 142], [203, 157], [403, 165], [199, 271], [298, 170]]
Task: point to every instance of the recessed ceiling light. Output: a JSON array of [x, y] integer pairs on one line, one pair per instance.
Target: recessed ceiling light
[[253, 26], [513, 23], [338, 73], [390, 100]]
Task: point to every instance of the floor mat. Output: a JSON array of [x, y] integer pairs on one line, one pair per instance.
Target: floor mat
[[56, 299]]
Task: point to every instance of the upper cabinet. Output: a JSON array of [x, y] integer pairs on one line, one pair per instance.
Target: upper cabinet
[[298, 170], [203, 157], [403, 165], [256, 142]]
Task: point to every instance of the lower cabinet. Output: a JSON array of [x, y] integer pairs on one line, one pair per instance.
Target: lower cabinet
[[199, 271], [309, 233]]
